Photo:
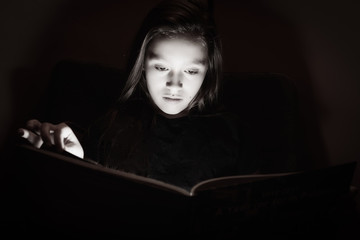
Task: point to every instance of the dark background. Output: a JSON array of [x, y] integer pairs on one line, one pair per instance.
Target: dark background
[[313, 42]]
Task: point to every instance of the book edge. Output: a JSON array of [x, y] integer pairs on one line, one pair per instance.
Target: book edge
[[118, 173], [248, 177]]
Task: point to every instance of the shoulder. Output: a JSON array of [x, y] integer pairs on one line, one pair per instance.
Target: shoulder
[[219, 117], [121, 116]]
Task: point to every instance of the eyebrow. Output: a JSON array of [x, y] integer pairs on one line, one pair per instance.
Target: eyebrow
[[154, 56]]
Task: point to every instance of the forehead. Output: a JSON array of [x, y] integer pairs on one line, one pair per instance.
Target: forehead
[[177, 48]]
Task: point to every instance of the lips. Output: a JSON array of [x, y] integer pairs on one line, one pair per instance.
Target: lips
[[172, 99]]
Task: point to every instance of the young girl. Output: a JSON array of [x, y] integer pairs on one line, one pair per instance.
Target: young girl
[[166, 124]]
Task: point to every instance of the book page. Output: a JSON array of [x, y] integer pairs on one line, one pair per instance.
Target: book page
[[233, 180]]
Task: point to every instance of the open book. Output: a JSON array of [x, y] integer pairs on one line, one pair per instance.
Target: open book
[[63, 188], [66, 158]]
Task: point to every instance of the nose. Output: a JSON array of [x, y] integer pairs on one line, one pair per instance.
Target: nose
[[174, 80]]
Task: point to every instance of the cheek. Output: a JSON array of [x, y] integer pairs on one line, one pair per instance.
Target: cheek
[[195, 86], [151, 81]]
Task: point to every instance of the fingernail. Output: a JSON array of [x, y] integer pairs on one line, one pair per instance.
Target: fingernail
[[20, 132]]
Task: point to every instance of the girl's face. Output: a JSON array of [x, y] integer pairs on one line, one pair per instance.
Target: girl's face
[[175, 70]]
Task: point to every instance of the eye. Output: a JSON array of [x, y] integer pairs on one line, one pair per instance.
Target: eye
[[161, 68], [192, 71]]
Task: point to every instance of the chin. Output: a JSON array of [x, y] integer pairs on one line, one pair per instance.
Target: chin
[[171, 112]]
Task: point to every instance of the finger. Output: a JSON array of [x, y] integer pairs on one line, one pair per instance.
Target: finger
[[65, 139], [23, 133], [76, 150], [60, 135], [33, 138], [73, 146], [34, 125], [70, 141], [46, 133]]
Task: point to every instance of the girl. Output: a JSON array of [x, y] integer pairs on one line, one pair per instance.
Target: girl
[[166, 124]]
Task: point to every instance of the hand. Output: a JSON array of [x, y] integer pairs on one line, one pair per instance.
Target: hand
[[60, 135]]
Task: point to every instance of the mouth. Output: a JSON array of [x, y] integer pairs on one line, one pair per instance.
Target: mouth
[[172, 99]]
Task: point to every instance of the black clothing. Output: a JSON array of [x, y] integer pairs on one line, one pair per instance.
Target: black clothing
[[182, 151]]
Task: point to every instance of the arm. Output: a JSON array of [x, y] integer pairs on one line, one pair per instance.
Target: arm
[[59, 135]]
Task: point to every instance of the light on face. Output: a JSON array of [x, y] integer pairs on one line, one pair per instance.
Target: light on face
[[175, 70]]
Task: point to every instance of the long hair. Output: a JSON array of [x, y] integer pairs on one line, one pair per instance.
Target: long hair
[[172, 18]]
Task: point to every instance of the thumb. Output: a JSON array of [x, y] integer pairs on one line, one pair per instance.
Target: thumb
[[33, 138]]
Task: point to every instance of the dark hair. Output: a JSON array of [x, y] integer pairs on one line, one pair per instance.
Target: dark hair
[[171, 18], [191, 19]]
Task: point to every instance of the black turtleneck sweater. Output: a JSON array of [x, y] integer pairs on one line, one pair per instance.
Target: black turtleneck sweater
[[182, 151]]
